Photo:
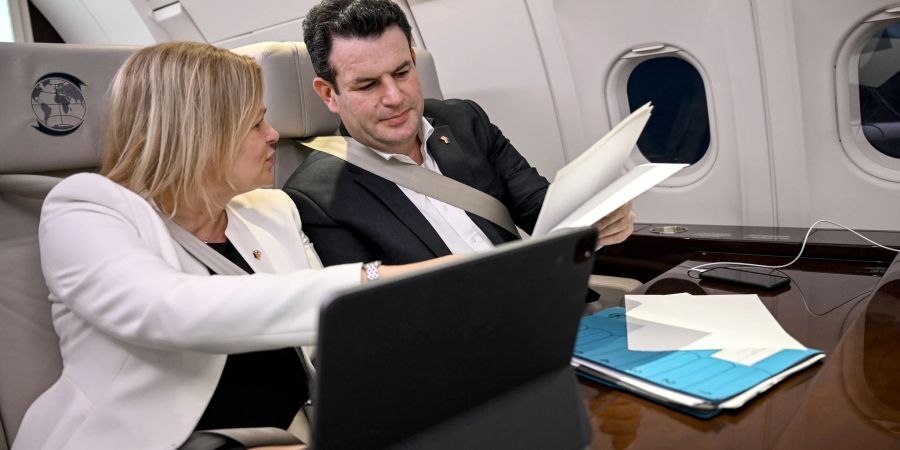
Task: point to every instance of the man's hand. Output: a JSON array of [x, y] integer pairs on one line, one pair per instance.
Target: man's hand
[[615, 227]]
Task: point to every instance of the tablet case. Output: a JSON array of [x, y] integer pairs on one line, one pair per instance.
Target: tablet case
[[445, 358]]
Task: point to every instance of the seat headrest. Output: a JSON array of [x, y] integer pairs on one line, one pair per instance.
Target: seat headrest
[[427, 74], [54, 104], [295, 110]]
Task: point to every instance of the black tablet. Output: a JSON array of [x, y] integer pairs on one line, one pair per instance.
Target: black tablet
[[474, 354]]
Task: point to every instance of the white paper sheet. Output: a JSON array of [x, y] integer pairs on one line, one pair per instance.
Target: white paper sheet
[[637, 181], [593, 170], [702, 322], [586, 183]]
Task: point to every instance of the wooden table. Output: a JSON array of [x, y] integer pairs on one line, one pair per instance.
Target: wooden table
[[849, 309]]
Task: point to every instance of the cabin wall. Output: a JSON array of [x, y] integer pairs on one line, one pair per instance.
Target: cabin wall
[[102, 22], [579, 42], [493, 57], [776, 156], [815, 169], [712, 33], [549, 73]]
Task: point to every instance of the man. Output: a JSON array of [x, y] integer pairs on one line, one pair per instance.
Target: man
[[361, 52]]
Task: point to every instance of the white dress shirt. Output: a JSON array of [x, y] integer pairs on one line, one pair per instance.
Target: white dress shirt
[[452, 224]]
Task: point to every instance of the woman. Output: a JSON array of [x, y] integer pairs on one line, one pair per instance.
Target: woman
[[145, 332]]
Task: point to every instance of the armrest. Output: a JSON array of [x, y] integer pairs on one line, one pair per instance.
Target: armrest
[[612, 290]]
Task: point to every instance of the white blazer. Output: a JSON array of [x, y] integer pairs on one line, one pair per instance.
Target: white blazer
[[144, 330]]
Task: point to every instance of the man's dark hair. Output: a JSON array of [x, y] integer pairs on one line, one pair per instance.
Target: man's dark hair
[[347, 19]]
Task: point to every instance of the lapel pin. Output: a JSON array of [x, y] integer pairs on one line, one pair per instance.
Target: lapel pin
[[445, 139], [257, 254]]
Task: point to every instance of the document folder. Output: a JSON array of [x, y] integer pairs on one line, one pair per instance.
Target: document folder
[[692, 381]]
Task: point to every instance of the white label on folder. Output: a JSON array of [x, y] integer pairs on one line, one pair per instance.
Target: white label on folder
[[745, 356]]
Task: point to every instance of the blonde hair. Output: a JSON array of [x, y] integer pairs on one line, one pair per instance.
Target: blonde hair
[[177, 115]]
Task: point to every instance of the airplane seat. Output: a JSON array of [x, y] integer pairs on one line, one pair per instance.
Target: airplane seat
[[294, 108], [54, 99]]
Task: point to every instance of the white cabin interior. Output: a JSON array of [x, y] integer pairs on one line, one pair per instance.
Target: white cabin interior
[[786, 139], [787, 112]]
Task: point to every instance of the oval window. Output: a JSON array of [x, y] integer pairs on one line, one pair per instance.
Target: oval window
[[678, 130], [879, 90]]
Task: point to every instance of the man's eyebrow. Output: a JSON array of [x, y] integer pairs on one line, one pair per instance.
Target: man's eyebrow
[[362, 80], [406, 64]]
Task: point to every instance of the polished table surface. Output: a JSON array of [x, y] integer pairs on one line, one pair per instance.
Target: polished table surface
[[852, 400]]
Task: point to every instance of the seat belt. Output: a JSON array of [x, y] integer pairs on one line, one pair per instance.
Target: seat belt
[[417, 178], [3, 444], [223, 266]]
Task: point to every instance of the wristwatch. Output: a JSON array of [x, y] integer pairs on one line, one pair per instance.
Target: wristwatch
[[371, 269]]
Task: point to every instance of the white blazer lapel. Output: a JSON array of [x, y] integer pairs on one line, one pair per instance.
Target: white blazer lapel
[[265, 229]]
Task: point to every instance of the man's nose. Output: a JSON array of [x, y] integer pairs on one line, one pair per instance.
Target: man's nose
[[391, 95]]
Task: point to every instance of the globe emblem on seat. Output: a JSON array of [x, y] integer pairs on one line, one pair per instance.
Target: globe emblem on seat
[[58, 104]]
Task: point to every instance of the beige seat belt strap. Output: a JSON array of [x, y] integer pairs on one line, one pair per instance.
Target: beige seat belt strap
[[3, 443], [416, 178], [223, 266]]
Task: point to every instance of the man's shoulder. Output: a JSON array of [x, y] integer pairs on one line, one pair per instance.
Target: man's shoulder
[[450, 108], [318, 168], [321, 161]]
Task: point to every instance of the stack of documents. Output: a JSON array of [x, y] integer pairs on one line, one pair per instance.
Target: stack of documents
[[699, 354]]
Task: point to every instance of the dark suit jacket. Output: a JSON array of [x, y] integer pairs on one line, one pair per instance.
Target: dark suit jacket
[[352, 215]]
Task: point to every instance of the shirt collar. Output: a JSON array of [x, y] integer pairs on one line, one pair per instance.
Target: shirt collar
[[425, 132]]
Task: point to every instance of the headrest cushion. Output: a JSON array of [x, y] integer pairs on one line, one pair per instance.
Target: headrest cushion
[[295, 109], [54, 100]]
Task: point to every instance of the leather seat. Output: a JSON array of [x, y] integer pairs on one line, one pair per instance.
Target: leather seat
[[57, 131]]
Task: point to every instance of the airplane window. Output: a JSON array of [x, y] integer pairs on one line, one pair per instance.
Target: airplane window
[[678, 130], [879, 90], [6, 29]]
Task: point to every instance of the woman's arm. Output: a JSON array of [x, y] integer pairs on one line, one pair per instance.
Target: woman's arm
[[107, 260]]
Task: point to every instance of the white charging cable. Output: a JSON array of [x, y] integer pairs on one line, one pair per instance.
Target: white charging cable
[[802, 247]]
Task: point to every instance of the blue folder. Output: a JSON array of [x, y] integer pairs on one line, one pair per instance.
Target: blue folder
[[692, 381]]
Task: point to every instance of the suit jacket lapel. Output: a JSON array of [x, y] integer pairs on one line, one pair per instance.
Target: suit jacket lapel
[[402, 208], [444, 148]]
